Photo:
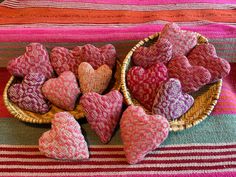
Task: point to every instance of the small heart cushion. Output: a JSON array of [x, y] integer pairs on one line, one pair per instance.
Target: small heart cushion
[[93, 80], [192, 78], [28, 94], [62, 91], [103, 112], [64, 140], [143, 83], [170, 102], [35, 59], [141, 133], [160, 51]]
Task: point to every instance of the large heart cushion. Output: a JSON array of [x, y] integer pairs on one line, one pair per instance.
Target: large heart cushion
[[35, 59], [62, 91], [141, 133], [28, 94], [64, 140], [103, 112]]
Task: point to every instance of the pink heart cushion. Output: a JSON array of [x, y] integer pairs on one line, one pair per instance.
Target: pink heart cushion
[[170, 102], [103, 112], [141, 133], [160, 51], [143, 83], [35, 59], [192, 78], [28, 94], [62, 91], [64, 140]]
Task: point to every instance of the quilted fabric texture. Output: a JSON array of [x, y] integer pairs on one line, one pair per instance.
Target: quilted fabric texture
[[35, 59], [103, 112], [170, 102], [28, 94], [143, 83], [64, 140], [93, 80], [192, 78], [141, 133], [62, 91]]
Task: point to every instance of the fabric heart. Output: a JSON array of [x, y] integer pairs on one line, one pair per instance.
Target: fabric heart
[[205, 55], [192, 78], [170, 102], [64, 140], [182, 41], [143, 83], [103, 112], [28, 94], [35, 60], [160, 51], [141, 133], [62, 91], [93, 80]]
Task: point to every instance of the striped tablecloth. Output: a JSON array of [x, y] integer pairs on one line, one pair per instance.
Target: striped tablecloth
[[208, 149]]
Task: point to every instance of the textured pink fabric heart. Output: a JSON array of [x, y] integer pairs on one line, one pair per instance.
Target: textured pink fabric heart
[[64, 140], [141, 133], [35, 59], [28, 94], [103, 112], [62, 91], [192, 78], [160, 51], [170, 102], [205, 55], [182, 41], [143, 83]]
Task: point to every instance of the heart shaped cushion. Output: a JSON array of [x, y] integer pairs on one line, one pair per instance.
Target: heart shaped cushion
[[205, 55], [28, 94], [160, 51], [143, 83], [141, 133], [35, 59], [182, 41], [93, 80], [64, 140], [103, 112], [170, 102], [192, 78], [62, 91]]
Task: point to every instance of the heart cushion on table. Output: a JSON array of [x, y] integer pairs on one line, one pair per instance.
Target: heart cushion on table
[[192, 78], [143, 83], [141, 133], [103, 112], [62, 91], [64, 140], [93, 80], [35, 59], [170, 102], [28, 94]]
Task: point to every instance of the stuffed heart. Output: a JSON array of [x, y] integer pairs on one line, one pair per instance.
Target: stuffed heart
[[62, 91], [141, 133], [205, 55], [143, 83], [170, 102], [93, 80], [192, 78], [34, 60], [161, 51], [182, 41], [64, 140], [103, 112], [28, 94]]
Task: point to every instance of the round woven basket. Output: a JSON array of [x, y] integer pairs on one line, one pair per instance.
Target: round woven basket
[[205, 99]]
